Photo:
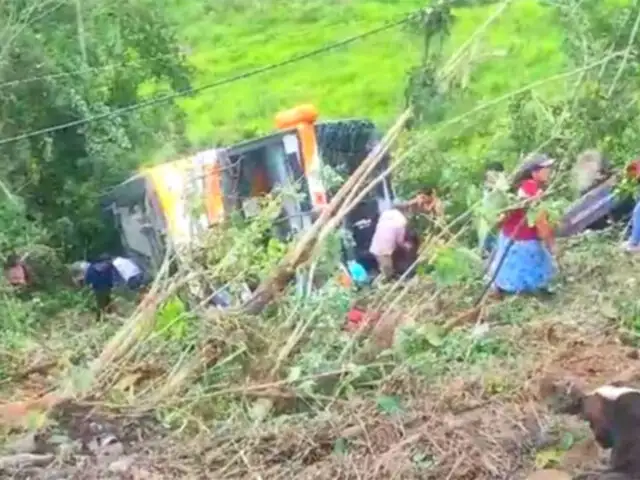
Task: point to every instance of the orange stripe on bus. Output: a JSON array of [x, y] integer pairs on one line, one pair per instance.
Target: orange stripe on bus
[[213, 193]]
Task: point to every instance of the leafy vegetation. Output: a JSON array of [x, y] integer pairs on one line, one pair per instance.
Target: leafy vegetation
[[53, 72], [487, 81]]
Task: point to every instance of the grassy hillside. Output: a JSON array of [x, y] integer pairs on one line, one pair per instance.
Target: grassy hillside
[[435, 389], [366, 78]]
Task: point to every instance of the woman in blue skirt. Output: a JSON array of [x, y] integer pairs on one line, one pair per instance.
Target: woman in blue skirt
[[523, 260]]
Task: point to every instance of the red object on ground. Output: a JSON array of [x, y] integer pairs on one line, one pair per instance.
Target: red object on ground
[[358, 319]]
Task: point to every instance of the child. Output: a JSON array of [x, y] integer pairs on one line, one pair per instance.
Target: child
[[495, 186], [523, 261]]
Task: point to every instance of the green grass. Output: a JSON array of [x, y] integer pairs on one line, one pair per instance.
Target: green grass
[[520, 47], [366, 78]]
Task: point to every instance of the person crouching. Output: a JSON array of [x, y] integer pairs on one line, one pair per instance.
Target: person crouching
[[131, 274], [391, 230], [405, 259]]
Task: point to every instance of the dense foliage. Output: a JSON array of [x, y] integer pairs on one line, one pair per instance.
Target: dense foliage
[[66, 63], [488, 81], [61, 64]]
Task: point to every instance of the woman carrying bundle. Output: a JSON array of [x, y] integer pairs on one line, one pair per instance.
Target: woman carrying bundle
[[523, 261]]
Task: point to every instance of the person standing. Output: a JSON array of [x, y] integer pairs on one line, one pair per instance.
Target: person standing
[[100, 276], [523, 261]]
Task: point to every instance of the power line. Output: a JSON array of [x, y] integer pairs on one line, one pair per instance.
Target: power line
[[219, 83], [114, 66]]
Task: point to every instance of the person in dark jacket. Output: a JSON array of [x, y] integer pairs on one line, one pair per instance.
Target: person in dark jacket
[[100, 276]]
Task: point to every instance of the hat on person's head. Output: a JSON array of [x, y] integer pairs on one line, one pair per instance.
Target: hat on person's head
[[531, 163], [538, 160]]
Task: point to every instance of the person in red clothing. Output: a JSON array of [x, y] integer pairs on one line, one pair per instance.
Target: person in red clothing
[[523, 262]]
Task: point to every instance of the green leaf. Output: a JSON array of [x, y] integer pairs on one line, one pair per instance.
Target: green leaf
[[389, 405], [340, 446], [294, 374], [81, 379], [422, 460], [432, 335], [454, 265], [36, 420], [260, 409], [532, 214], [548, 457], [567, 441]]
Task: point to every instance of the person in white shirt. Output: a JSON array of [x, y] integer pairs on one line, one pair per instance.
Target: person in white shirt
[[129, 272]]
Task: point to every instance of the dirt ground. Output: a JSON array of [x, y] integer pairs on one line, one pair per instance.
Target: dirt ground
[[459, 430], [494, 423]]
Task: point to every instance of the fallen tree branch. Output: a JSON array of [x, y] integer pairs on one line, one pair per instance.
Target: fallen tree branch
[[303, 249]]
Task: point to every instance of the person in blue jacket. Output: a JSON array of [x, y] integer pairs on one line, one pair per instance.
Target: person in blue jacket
[[100, 276]]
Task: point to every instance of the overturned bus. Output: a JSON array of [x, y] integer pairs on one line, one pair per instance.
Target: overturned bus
[[601, 204], [151, 209]]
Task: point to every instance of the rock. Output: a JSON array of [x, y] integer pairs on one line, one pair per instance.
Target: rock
[[549, 474], [58, 439], [585, 453], [122, 465], [25, 444], [66, 451], [107, 448], [142, 474], [24, 460], [480, 330], [57, 475]]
